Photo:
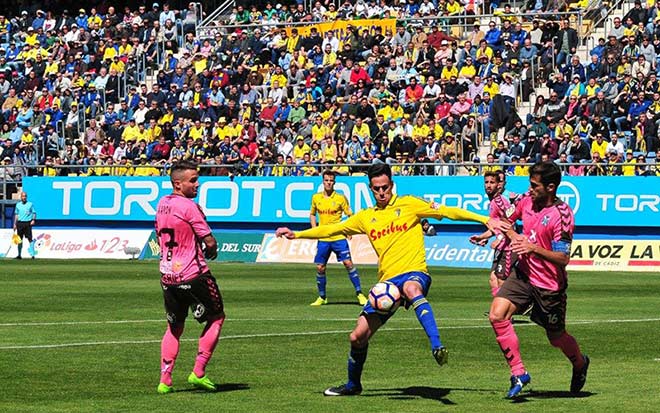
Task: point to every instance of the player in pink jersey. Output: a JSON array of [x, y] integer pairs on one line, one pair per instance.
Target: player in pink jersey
[[186, 241], [504, 258], [539, 278]]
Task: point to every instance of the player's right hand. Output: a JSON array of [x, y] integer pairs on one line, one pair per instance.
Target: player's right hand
[[284, 232]]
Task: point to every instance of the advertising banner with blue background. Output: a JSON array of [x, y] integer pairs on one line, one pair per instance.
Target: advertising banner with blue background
[[597, 201]]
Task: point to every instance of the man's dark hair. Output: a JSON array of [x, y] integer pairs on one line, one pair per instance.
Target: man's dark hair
[[329, 172], [379, 169], [180, 167], [548, 172], [493, 174]]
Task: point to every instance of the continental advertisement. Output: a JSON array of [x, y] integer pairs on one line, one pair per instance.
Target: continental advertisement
[[454, 250], [232, 246], [445, 250]]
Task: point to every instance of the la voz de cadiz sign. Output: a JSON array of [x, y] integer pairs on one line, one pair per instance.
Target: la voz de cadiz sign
[[596, 201]]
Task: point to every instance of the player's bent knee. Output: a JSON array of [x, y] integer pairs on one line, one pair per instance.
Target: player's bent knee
[[320, 268], [358, 340], [412, 290]]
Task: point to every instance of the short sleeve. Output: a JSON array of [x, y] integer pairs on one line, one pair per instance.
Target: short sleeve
[[562, 235], [197, 221]]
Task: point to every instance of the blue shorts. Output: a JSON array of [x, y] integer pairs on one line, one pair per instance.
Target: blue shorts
[[324, 248], [422, 278]]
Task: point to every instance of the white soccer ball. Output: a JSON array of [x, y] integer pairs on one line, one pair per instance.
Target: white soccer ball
[[385, 297]]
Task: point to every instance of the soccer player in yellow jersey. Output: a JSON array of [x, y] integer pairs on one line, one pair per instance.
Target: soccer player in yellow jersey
[[330, 207], [394, 230]]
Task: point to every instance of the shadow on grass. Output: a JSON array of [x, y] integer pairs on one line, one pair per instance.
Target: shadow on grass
[[520, 321], [221, 388], [552, 394], [407, 393]]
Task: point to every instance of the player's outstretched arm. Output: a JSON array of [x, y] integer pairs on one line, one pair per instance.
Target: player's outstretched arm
[[351, 226], [459, 214]]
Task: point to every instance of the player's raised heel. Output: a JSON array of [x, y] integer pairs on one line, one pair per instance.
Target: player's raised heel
[[319, 302], [517, 384], [441, 355], [580, 376], [164, 388], [361, 299], [343, 390], [203, 383]]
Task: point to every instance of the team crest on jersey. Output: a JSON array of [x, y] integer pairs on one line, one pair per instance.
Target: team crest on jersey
[[397, 212], [373, 220], [509, 211], [545, 221]]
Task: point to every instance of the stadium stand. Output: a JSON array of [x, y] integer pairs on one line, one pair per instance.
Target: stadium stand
[[431, 87]]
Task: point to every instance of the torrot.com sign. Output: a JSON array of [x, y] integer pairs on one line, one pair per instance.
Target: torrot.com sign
[[596, 201]]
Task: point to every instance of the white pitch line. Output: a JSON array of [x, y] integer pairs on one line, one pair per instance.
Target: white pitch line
[[304, 333], [73, 323]]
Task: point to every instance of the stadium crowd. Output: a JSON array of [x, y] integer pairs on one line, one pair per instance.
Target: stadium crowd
[[258, 98]]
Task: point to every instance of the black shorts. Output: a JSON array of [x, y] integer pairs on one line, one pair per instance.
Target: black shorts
[[201, 295], [24, 230], [548, 307], [503, 263]]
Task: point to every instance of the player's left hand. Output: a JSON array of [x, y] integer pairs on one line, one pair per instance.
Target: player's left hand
[[521, 245], [211, 253], [497, 225], [285, 232]]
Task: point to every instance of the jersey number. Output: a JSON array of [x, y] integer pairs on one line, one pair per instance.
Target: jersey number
[[171, 244]]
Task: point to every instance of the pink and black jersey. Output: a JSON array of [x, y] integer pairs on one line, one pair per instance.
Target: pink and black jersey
[[181, 226], [498, 208], [550, 228]]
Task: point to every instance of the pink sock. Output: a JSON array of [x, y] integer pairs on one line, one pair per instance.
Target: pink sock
[[508, 341], [494, 290], [169, 349], [207, 342], [570, 348]]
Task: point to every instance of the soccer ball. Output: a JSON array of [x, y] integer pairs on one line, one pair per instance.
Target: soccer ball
[[385, 297]]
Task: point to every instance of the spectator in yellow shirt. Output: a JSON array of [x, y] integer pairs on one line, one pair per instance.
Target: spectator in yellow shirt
[[131, 132], [300, 149], [319, 130], [599, 145], [629, 164]]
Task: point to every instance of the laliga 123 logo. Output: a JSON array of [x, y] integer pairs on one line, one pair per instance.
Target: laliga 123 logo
[[569, 193], [43, 241]]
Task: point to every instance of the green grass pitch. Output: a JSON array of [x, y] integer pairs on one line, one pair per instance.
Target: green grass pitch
[[84, 336]]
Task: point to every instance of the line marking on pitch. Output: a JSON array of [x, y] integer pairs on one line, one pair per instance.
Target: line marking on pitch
[[303, 333], [73, 323]]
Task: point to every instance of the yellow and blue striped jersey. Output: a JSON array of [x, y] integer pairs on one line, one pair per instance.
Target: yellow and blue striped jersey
[[394, 231], [330, 210]]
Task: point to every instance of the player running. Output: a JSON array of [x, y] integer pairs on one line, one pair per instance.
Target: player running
[[540, 277], [331, 206], [394, 230], [185, 242]]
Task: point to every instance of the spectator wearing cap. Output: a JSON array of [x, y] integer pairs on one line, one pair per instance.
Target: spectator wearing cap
[[82, 19]]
